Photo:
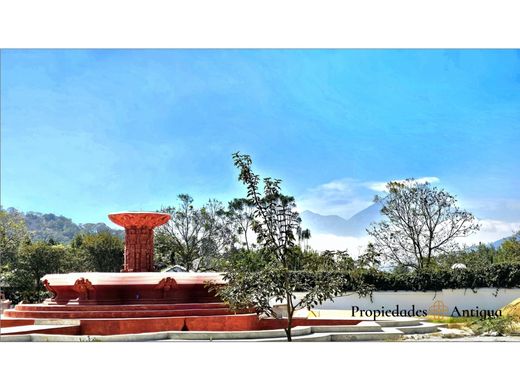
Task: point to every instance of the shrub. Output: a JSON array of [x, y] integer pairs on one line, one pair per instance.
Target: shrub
[[501, 275], [501, 326]]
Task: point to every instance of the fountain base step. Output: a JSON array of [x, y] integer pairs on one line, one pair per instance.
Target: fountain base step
[[128, 319]]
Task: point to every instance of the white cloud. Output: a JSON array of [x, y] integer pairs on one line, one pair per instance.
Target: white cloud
[[380, 186], [336, 185], [490, 231], [503, 209], [354, 245], [343, 197]]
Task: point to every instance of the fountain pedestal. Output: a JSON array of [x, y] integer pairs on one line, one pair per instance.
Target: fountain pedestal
[[138, 238]]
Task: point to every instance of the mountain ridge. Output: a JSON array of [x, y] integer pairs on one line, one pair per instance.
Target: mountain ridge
[[355, 226], [48, 226]]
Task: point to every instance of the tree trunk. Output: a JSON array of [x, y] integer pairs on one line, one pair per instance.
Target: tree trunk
[[247, 242], [288, 330], [290, 312]]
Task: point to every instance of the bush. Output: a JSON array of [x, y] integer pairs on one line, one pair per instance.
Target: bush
[[499, 326], [501, 275]]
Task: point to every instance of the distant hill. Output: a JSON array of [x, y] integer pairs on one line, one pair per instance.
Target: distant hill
[[355, 226], [59, 228]]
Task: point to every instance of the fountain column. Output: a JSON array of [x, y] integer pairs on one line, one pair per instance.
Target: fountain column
[[139, 238]]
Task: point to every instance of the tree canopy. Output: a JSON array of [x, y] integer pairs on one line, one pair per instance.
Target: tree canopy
[[422, 221], [193, 237]]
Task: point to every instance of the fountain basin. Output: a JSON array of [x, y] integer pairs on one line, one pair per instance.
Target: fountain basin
[[109, 288], [139, 219]]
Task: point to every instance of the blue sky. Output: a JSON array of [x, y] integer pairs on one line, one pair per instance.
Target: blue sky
[[88, 132]]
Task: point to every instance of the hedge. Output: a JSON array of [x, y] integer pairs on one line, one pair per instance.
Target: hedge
[[502, 275]]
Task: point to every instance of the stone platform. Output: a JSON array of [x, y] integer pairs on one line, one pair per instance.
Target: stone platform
[[361, 331], [128, 319]]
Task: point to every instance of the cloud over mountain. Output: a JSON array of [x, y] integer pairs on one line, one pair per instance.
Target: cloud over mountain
[[380, 186]]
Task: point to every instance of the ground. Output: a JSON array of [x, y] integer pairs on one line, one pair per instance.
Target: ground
[[446, 334]]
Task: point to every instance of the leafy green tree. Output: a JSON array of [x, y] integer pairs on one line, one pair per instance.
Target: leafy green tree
[[194, 237], [474, 258], [34, 261], [77, 259], [421, 222], [370, 258], [99, 252], [13, 232], [509, 251], [275, 278], [253, 260]]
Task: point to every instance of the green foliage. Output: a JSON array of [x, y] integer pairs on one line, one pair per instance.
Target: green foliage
[[261, 283], [194, 237], [327, 260], [101, 252], [243, 259], [13, 232], [500, 325], [480, 256], [509, 250], [501, 275], [273, 276], [34, 260], [370, 258]]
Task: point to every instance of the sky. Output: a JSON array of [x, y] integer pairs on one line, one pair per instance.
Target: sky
[[89, 132]]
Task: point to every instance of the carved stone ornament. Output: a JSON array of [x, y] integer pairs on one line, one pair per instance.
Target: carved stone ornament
[[82, 285], [168, 283], [49, 288]]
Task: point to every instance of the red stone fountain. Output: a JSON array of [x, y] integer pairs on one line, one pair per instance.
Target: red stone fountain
[[136, 300], [137, 283]]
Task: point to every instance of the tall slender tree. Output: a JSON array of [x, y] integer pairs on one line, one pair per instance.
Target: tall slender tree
[[275, 278], [241, 215]]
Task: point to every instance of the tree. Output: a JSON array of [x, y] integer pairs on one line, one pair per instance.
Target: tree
[[13, 232], [35, 260], [421, 222], [241, 215], [304, 235], [509, 251], [275, 278], [194, 237], [475, 257], [99, 252], [369, 258]]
